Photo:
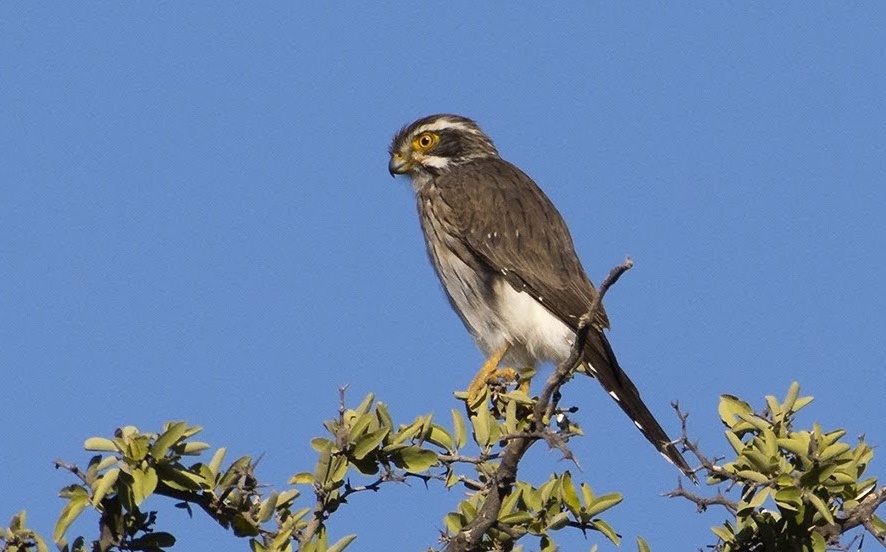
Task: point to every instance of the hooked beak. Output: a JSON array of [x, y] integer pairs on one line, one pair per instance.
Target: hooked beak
[[398, 164]]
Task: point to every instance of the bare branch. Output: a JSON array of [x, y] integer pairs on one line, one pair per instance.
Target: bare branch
[[60, 464], [702, 503], [708, 464], [860, 515]]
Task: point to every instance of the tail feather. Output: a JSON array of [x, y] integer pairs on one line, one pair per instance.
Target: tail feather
[[602, 365]]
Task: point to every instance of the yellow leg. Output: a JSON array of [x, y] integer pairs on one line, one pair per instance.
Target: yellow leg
[[524, 387], [488, 371]]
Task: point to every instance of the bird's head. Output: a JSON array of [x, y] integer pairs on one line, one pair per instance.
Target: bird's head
[[437, 143]]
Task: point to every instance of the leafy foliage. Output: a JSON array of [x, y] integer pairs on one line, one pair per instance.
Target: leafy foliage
[[797, 489], [362, 445], [793, 489]]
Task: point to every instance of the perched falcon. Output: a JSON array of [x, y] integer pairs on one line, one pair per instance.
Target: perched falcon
[[506, 259]]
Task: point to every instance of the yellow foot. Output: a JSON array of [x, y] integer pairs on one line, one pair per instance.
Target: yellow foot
[[524, 387], [488, 373]]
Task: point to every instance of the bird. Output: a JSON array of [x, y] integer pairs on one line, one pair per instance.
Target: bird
[[507, 262]]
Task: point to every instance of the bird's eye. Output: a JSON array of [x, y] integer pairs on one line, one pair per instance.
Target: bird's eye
[[425, 141]]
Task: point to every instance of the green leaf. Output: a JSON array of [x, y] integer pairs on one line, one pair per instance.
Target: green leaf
[[723, 533], [760, 424], [321, 444], [106, 463], [820, 506], [216, 461], [138, 485], [532, 498], [193, 430], [180, 478], [587, 494], [194, 448], [480, 423], [759, 497], [642, 546], [608, 531], [517, 518], [100, 444], [234, 471], [518, 397], [243, 527], [832, 451], [338, 469], [795, 444], [734, 441], [801, 402], [358, 428], [283, 540], [568, 493], [341, 543], [460, 429], [833, 437], [730, 406], [559, 521], [369, 442], [136, 448], [173, 433], [770, 443], [384, 418], [268, 505], [72, 509], [365, 405], [437, 435], [321, 470], [454, 522], [451, 478], [511, 417], [510, 502], [774, 407], [104, 485], [603, 503], [303, 478], [17, 523], [841, 478], [818, 543], [287, 497], [153, 541], [752, 475], [788, 498], [415, 459], [791, 398], [407, 433], [865, 487], [41, 544]]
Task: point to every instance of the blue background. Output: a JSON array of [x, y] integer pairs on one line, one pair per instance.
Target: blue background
[[196, 222]]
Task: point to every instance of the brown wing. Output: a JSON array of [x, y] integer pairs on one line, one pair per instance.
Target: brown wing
[[506, 222]]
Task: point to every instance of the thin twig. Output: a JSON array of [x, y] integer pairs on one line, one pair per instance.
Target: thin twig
[[702, 503], [859, 515]]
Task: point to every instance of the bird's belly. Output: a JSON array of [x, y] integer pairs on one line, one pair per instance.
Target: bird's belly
[[531, 328], [495, 313]]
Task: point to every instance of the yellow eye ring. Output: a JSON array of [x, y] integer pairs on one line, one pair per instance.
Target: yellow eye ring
[[425, 141]]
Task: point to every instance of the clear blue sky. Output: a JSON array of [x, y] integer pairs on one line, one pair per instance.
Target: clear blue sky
[[196, 222]]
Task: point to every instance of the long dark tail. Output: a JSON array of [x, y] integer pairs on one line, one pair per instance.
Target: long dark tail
[[603, 366]]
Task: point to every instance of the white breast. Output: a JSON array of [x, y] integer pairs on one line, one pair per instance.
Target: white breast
[[527, 324]]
